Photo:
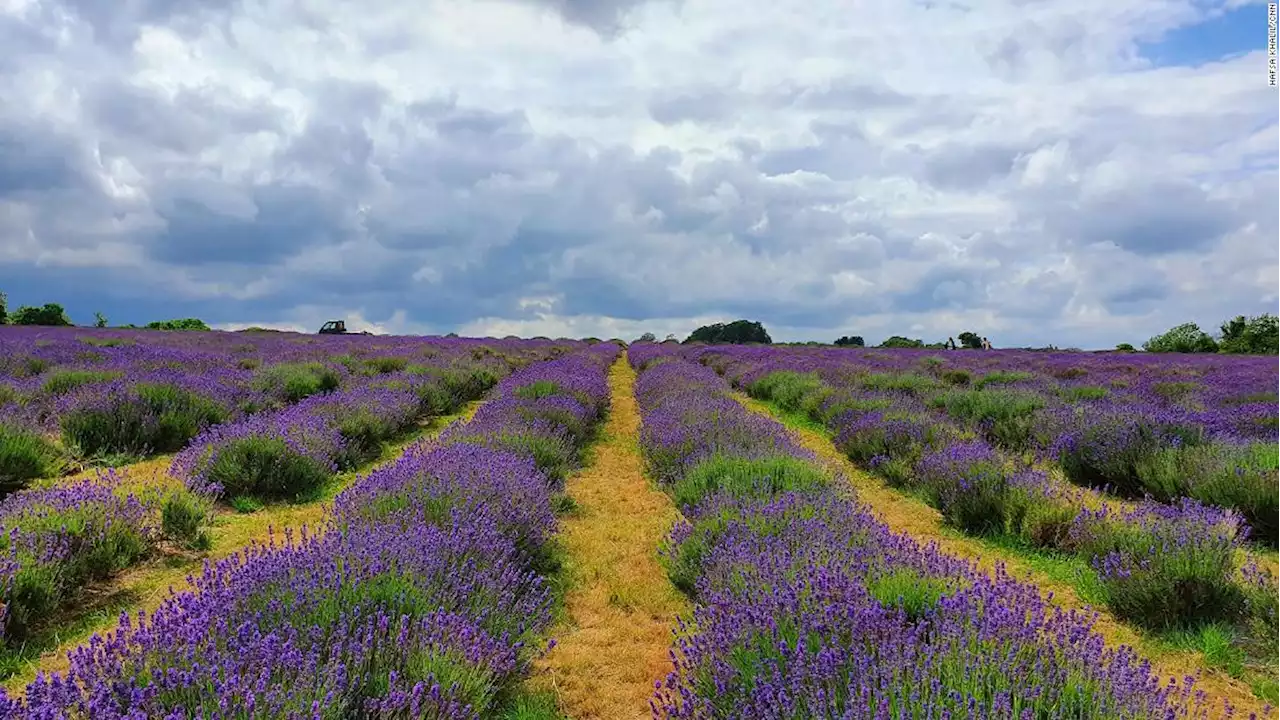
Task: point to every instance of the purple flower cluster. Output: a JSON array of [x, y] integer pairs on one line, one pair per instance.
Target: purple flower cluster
[[112, 393], [55, 539], [420, 599], [547, 411], [811, 607]]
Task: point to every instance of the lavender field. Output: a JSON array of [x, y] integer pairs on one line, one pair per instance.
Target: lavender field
[[858, 533]]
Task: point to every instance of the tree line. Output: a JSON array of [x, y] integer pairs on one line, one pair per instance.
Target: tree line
[[1240, 335], [54, 315]]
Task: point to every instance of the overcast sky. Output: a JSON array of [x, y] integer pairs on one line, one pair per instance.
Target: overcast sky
[[1082, 172]]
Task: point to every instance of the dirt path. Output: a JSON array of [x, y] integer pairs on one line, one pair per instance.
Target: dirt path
[[621, 608], [145, 586], [913, 517]]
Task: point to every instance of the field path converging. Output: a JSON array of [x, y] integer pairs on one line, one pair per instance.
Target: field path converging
[[145, 587], [913, 517], [615, 642]]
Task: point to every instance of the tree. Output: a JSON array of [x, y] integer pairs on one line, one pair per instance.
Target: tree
[[1126, 347], [647, 337], [851, 341], [1185, 338], [181, 324], [51, 314], [736, 333], [897, 341], [969, 340], [1254, 336], [4, 308], [99, 320]]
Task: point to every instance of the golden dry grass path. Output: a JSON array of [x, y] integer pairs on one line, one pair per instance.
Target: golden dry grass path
[[145, 586], [620, 608], [911, 516]]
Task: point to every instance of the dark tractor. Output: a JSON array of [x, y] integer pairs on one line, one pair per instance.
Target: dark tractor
[[339, 327]]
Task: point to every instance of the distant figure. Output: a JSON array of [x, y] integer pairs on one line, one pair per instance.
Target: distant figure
[[986, 344], [951, 343]]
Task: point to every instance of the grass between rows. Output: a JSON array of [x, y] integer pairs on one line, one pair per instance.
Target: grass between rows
[[1066, 580], [614, 633], [145, 586]]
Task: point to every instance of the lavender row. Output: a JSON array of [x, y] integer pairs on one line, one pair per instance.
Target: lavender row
[[422, 597], [1165, 427], [55, 540], [807, 606], [92, 397], [1159, 565]]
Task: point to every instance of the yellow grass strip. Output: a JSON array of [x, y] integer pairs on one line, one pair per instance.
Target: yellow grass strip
[[615, 642], [145, 586], [911, 516]]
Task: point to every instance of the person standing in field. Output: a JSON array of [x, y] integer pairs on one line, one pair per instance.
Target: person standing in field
[[951, 343]]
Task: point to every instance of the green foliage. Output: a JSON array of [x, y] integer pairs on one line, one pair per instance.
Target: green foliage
[[647, 337], [99, 320], [1175, 391], [957, 377], [51, 314], [152, 418], [736, 333], [907, 590], [1002, 377], [907, 383], [264, 468], [183, 518], [745, 478], [1174, 584], [970, 340], [25, 455], [1256, 336], [1185, 338], [386, 365], [897, 341], [181, 324], [61, 381], [851, 341], [291, 382], [792, 391], [4, 309], [531, 706], [1006, 417], [100, 548], [1126, 347]]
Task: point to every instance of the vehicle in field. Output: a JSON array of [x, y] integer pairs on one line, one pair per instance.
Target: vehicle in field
[[339, 327]]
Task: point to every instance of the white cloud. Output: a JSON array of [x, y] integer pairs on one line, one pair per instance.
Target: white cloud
[[576, 168]]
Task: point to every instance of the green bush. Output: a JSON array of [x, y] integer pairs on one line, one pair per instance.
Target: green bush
[[1185, 338], [957, 377], [61, 381], [905, 589], [180, 324], [1005, 417], [792, 391], [100, 549], [1002, 377], [291, 382], [148, 418], [50, 314], [386, 365], [265, 468], [183, 518], [907, 383], [742, 477], [25, 455]]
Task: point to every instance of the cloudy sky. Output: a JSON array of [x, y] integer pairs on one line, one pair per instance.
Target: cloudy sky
[[1076, 172]]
